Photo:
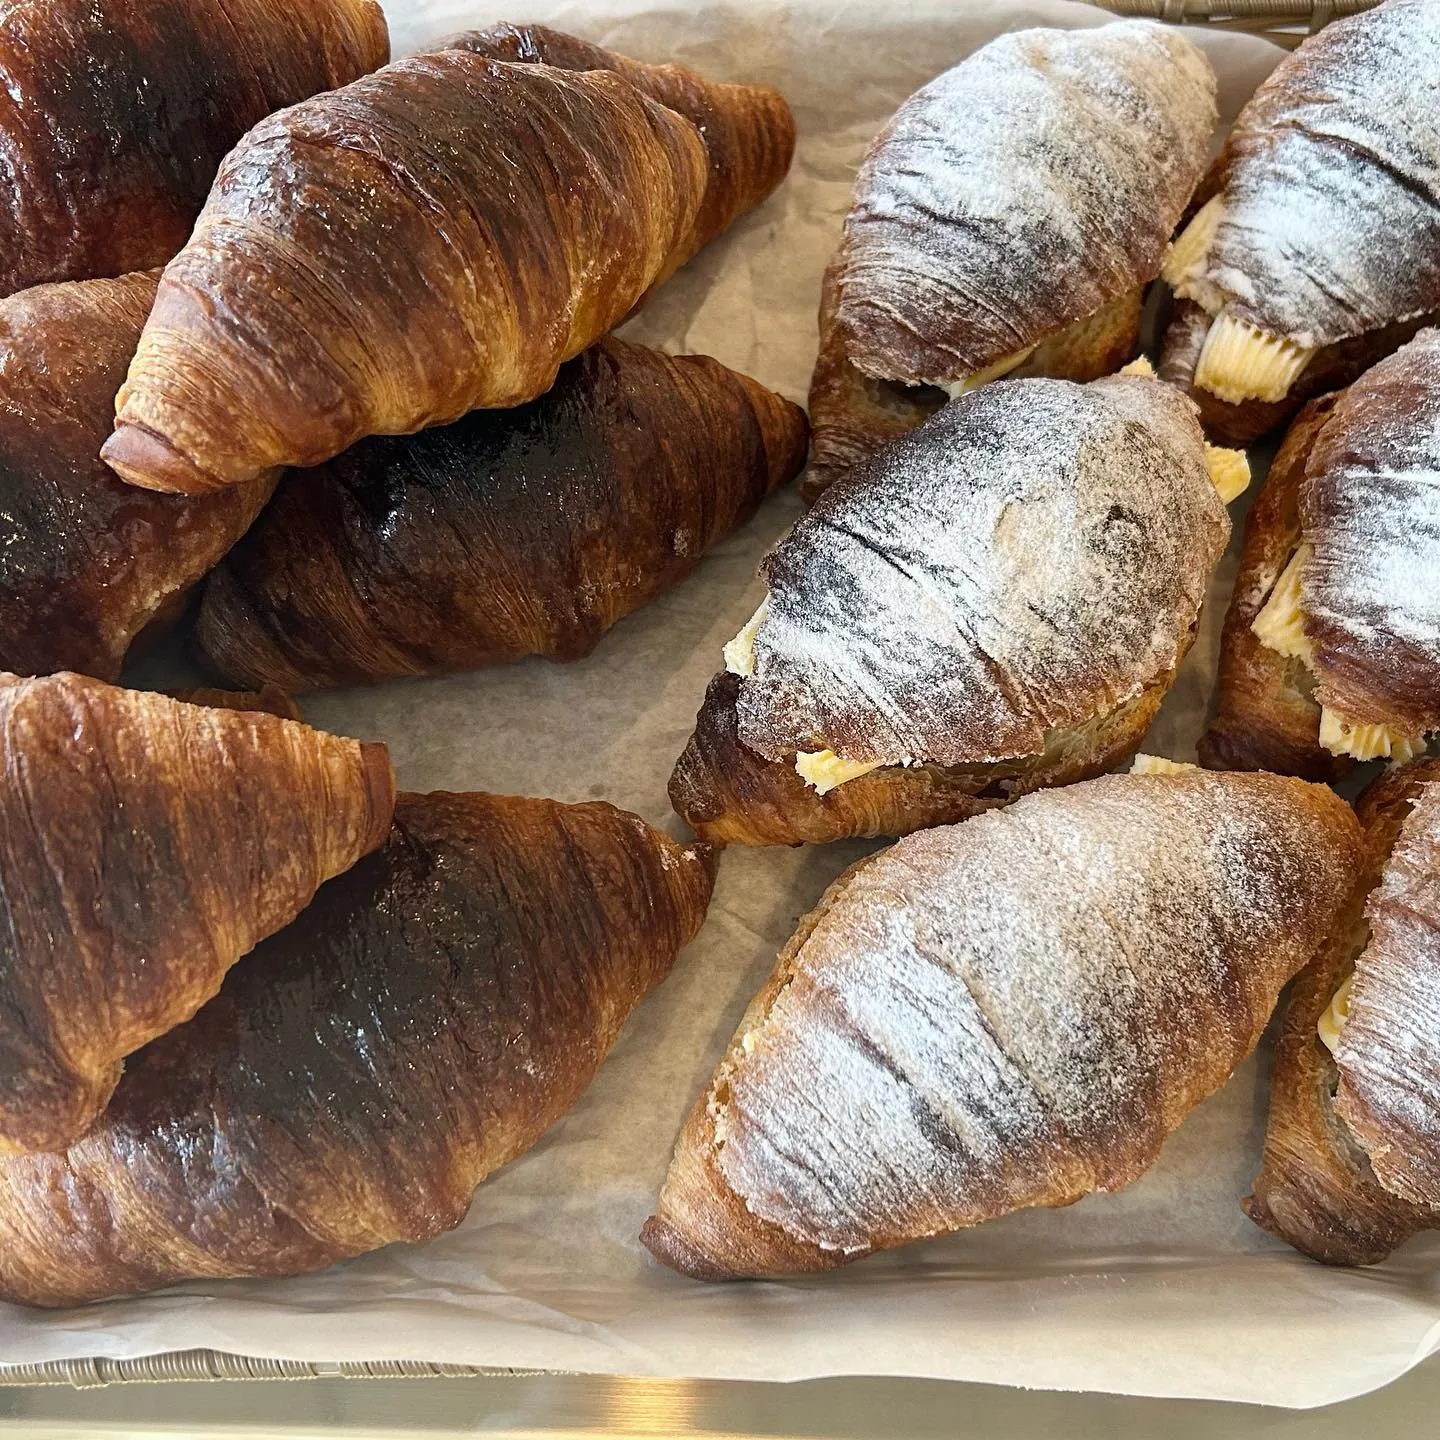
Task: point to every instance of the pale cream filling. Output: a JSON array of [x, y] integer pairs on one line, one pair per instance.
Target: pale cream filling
[[1280, 626], [1159, 765], [1003, 366], [1332, 1020]]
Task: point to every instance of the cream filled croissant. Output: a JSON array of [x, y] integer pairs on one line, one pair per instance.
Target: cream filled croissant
[[425, 1019], [1331, 651], [511, 532], [435, 237], [1005, 222], [995, 602], [1352, 1151], [748, 130], [1011, 1012], [145, 845], [115, 114], [87, 562], [1318, 249]]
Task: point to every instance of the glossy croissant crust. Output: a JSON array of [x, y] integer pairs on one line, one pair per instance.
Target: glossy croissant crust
[[433, 238], [509, 533], [995, 601], [87, 561], [748, 130], [115, 114], [1010, 1012], [420, 1025], [145, 845]]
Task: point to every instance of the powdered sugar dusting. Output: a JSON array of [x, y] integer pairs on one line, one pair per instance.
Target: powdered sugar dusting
[[1331, 223], [1370, 508], [1031, 556], [1018, 193], [1389, 1053], [1018, 1009]]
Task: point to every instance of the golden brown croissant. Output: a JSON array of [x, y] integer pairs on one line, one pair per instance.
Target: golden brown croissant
[[420, 1025], [1011, 1012], [145, 846], [995, 602], [86, 561], [115, 114], [1323, 228], [435, 237], [748, 130], [1004, 222], [1331, 651], [270, 699], [1337, 1180], [509, 533]]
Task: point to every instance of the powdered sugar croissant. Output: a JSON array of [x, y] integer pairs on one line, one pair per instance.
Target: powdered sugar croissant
[[995, 602], [1331, 651], [439, 236], [1011, 1012], [1352, 1151], [1005, 221], [1321, 240], [145, 845]]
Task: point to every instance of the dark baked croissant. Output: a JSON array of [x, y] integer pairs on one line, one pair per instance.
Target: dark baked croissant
[[509, 533], [436, 237], [145, 845], [86, 561], [1011, 1012], [1348, 1176], [1331, 650], [748, 130], [115, 114], [1005, 221], [420, 1025], [995, 602], [1319, 247]]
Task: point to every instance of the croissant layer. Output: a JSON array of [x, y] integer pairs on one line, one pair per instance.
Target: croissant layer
[[488, 221], [425, 1019], [748, 130], [516, 532], [87, 562], [147, 844], [1011, 1012], [115, 115]]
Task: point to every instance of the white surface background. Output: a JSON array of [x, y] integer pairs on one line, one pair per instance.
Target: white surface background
[[1163, 1290]]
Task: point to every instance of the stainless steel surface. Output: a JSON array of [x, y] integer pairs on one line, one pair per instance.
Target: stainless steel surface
[[549, 1405]]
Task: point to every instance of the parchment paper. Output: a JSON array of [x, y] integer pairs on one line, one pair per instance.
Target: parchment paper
[[1165, 1289]]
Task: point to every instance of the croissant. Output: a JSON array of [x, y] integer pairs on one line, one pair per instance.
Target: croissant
[[1317, 1188], [1006, 222], [270, 699], [115, 114], [1331, 650], [1011, 1012], [145, 845], [508, 533], [748, 130], [1320, 243], [997, 601], [86, 561], [421, 1024], [438, 236]]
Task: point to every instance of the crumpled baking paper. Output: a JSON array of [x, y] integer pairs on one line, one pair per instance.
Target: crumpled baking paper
[[1165, 1289]]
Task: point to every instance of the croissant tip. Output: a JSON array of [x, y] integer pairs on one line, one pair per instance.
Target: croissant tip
[[147, 460], [670, 1247]]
